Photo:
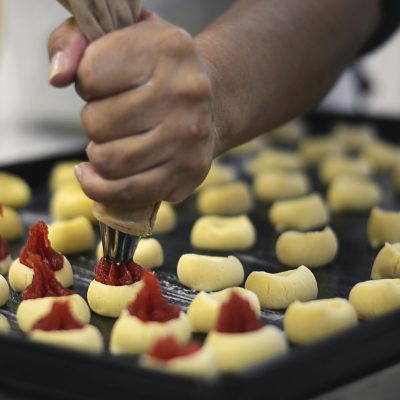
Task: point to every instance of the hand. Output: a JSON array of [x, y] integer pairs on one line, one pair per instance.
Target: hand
[[149, 111]]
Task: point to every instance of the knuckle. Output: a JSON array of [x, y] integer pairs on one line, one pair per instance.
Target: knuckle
[[195, 87], [87, 80], [90, 122], [100, 157], [176, 41], [194, 130]]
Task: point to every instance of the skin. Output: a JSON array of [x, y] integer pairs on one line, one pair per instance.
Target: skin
[[168, 103]]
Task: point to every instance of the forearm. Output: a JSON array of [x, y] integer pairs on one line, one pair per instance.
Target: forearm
[[274, 59]]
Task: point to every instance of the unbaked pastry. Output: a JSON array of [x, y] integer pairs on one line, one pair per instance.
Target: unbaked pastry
[[208, 273], [218, 175], [165, 220], [274, 159], [383, 226], [387, 262], [223, 233], [277, 291], [10, 224], [305, 213], [354, 137], [15, 192], [63, 173], [312, 321], [287, 134], [382, 156], [396, 177], [4, 324], [314, 249], [252, 146], [313, 150], [5, 264], [4, 291]]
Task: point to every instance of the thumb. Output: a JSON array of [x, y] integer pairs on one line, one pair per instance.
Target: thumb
[[66, 48]]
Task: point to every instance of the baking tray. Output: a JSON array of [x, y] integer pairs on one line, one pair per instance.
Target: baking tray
[[50, 373]]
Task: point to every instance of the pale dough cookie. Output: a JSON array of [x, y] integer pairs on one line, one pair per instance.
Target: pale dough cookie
[[30, 311], [228, 199], [69, 202], [4, 291], [315, 320], [288, 134], [165, 220], [235, 351], [383, 226], [382, 156], [246, 148], [277, 291], [353, 137], [73, 236], [4, 324], [275, 185], [63, 174], [20, 276], [149, 254], [353, 193], [314, 249], [204, 310], [88, 339], [10, 224], [274, 159], [14, 192], [333, 166], [372, 299], [223, 233], [313, 150], [5, 265], [108, 300], [396, 177], [387, 262], [305, 213], [130, 335], [218, 175]]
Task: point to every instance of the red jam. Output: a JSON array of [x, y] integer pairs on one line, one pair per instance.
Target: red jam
[[112, 274], [4, 249], [237, 316], [38, 243], [44, 283], [168, 348], [59, 318], [150, 304]]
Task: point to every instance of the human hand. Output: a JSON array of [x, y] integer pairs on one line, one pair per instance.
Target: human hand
[[149, 112]]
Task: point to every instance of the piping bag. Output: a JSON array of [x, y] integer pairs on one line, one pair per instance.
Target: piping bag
[[120, 229]]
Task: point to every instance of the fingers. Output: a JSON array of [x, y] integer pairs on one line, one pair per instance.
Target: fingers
[[66, 48]]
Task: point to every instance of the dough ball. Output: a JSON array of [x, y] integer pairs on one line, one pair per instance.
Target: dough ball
[[387, 262], [277, 291], [70, 202], [275, 185], [63, 173], [383, 226], [252, 146], [274, 159], [235, 351], [315, 149], [218, 175], [4, 324], [312, 321], [305, 213], [165, 220], [15, 192], [314, 249], [354, 137], [382, 156], [333, 166], [20, 276], [372, 299], [130, 335], [4, 291], [223, 233], [209, 273], [72, 236], [30, 311], [228, 199], [10, 224], [396, 177], [5, 265], [353, 193], [204, 310], [288, 134], [88, 339]]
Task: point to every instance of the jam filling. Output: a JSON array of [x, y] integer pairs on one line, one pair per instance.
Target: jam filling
[[44, 283], [60, 318], [38, 243], [167, 348], [4, 249], [237, 316], [150, 304], [113, 274]]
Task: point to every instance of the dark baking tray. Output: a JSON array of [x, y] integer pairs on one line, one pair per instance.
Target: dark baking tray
[[51, 373]]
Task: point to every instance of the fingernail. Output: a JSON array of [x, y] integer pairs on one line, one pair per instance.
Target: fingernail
[[57, 65], [78, 172]]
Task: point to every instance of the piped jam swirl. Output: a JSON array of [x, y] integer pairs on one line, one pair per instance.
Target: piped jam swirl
[[168, 348]]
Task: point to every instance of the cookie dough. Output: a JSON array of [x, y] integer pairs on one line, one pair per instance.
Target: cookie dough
[[63, 174], [5, 265], [387, 262], [288, 134], [275, 185], [130, 335], [275, 159], [4, 291], [201, 272], [372, 299], [383, 226], [314, 249], [353, 193], [166, 219], [354, 137], [204, 310], [228, 199], [73, 236], [235, 351], [15, 192], [382, 156], [30, 311], [4, 324], [11, 227], [313, 150], [277, 291], [250, 147], [219, 174], [223, 233], [305, 213], [312, 321]]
